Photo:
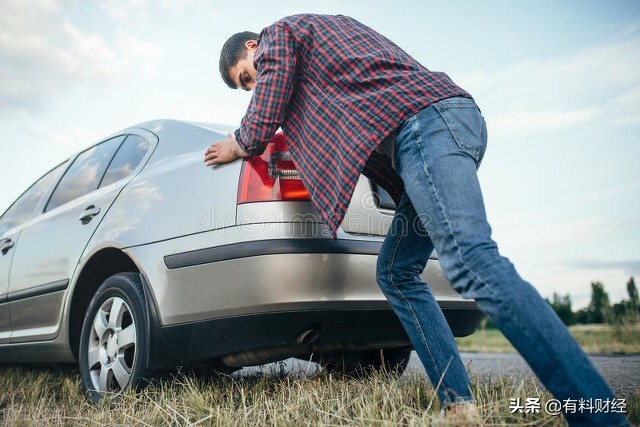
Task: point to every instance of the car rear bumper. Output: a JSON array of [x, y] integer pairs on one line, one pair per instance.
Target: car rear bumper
[[315, 328], [207, 281], [215, 298]]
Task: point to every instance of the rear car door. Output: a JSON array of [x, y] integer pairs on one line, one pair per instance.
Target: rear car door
[[52, 244], [11, 223], [6, 254]]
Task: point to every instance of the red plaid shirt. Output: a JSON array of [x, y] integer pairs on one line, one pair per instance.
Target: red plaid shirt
[[337, 88]]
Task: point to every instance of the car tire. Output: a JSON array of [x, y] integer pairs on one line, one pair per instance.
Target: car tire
[[114, 342], [359, 364]]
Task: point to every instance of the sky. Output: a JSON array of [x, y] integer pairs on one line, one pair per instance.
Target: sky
[[557, 81]]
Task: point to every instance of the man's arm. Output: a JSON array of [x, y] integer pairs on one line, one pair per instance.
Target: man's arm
[[276, 63]]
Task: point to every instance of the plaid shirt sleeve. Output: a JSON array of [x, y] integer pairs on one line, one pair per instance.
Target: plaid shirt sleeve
[[275, 62]]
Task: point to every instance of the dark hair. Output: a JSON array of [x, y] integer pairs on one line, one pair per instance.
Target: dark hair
[[232, 52]]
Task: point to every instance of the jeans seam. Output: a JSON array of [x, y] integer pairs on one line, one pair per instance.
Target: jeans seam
[[399, 292], [458, 101], [446, 220]]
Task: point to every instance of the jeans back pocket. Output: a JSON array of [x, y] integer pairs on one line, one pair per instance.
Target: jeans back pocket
[[466, 124]]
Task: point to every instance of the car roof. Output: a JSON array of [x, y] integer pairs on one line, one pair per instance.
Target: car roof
[[155, 125]]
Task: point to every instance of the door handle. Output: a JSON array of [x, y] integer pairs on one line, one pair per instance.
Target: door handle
[[88, 214], [6, 245]]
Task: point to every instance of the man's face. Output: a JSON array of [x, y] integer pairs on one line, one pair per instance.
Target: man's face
[[243, 73]]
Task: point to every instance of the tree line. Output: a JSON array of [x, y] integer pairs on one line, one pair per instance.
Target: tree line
[[600, 309]]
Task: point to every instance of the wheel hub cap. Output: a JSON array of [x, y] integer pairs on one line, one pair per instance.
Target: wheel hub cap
[[111, 347]]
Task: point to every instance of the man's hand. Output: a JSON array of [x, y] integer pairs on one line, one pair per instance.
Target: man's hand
[[224, 151]]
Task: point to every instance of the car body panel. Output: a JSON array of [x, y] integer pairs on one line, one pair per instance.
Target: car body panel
[[176, 194], [237, 286], [51, 351], [291, 212], [48, 252], [13, 234], [363, 216], [5, 264], [37, 318]]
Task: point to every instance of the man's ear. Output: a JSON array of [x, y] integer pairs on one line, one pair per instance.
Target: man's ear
[[251, 44]]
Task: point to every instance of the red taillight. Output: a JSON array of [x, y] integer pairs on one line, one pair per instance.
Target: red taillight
[[271, 176]]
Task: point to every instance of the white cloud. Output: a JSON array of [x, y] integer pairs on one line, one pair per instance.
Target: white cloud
[[141, 55], [127, 10], [530, 122], [180, 6], [121, 10], [550, 94], [627, 104], [631, 267], [73, 139], [546, 236], [42, 53], [633, 28], [589, 197]]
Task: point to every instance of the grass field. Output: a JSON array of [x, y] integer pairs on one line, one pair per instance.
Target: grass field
[[52, 397], [594, 339], [46, 397]]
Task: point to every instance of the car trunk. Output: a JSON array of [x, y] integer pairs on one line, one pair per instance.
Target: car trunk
[[370, 211], [272, 180]]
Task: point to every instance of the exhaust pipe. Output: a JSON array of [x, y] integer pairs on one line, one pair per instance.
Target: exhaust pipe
[[273, 354], [308, 336]]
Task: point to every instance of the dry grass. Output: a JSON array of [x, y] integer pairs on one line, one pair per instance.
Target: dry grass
[[49, 397], [273, 396]]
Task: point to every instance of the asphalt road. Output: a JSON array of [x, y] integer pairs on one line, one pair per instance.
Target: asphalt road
[[622, 373]]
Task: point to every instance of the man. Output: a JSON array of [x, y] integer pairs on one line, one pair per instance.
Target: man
[[343, 94]]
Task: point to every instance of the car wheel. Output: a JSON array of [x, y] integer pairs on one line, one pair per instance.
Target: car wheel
[[114, 341], [365, 362]]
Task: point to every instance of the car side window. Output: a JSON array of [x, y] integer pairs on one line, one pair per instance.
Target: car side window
[[84, 175], [22, 209], [126, 160]]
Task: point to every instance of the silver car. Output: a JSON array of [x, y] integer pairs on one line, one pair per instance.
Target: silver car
[[132, 257]]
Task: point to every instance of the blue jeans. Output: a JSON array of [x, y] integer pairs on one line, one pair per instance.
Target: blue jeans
[[437, 154]]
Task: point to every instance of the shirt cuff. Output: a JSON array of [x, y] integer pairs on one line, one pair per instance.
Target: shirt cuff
[[241, 144]]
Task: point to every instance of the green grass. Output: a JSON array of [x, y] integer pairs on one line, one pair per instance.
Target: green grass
[[594, 339], [48, 397]]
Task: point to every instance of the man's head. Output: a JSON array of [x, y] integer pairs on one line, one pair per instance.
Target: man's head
[[236, 60]]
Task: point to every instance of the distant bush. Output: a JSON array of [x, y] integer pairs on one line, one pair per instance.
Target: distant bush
[[562, 306], [599, 309]]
